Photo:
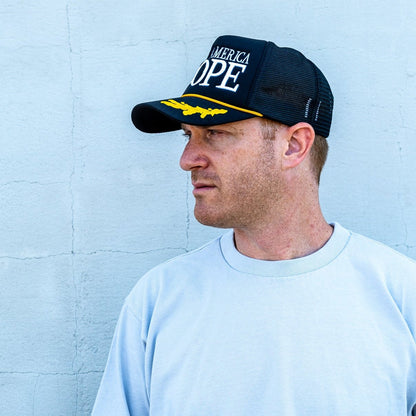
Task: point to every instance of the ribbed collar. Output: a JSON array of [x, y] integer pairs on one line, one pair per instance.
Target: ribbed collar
[[285, 268]]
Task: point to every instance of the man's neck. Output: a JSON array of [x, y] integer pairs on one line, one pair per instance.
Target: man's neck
[[290, 238]]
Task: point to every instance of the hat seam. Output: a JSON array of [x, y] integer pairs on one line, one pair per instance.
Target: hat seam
[[314, 120], [259, 69]]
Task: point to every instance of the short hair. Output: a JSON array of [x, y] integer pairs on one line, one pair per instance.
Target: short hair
[[318, 152], [318, 155]]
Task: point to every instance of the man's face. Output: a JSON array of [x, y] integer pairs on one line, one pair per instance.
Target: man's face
[[235, 173]]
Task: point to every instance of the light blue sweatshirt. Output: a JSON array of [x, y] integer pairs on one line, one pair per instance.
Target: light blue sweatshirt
[[215, 333]]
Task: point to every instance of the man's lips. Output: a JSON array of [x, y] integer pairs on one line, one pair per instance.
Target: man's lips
[[201, 187]]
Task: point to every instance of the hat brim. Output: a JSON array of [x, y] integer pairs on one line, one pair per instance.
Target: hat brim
[[168, 115]]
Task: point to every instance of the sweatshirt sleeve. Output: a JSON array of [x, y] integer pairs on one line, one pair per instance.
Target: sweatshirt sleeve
[[123, 390]]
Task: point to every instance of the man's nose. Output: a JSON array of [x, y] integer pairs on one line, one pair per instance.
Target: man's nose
[[193, 156]]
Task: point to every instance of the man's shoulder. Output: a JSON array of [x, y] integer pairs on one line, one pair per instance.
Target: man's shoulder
[[382, 263], [372, 249], [176, 280], [208, 253], [179, 271]]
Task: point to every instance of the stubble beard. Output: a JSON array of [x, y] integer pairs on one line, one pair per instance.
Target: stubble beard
[[245, 199]]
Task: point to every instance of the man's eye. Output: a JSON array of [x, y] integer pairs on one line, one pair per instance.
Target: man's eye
[[186, 135], [213, 133]]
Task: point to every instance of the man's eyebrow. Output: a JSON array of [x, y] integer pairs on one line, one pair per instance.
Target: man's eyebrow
[[184, 127]]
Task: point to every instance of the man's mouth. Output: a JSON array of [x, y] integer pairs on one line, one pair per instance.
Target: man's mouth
[[202, 187]]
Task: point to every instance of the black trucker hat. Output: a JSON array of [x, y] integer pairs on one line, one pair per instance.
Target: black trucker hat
[[243, 78]]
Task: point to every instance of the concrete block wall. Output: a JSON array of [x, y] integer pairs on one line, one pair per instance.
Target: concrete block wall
[[88, 203]]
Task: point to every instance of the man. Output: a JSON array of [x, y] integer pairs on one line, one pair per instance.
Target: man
[[285, 314]]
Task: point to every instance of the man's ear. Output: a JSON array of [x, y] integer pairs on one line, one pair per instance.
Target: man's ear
[[300, 139]]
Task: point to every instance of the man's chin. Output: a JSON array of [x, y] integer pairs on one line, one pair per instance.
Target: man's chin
[[210, 219]]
